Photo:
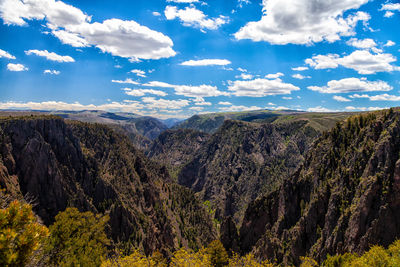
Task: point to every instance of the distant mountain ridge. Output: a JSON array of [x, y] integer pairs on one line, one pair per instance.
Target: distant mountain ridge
[[211, 122]]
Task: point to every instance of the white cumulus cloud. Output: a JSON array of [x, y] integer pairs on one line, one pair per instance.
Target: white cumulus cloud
[[52, 72], [234, 108], [127, 81], [153, 103], [139, 73], [351, 108], [300, 68], [189, 90], [367, 43], [121, 38], [274, 76], [183, 1], [383, 97], [6, 54], [320, 109], [261, 87], [362, 61], [304, 21], [389, 7], [206, 62], [192, 17], [16, 67], [390, 43], [350, 85], [341, 98], [50, 55], [142, 92], [300, 77], [131, 106], [244, 76]]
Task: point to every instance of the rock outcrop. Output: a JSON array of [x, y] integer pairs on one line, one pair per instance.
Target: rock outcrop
[[243, 160], [91, 167], [345, 197]]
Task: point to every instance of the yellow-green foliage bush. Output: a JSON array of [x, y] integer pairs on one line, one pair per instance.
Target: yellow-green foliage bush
[[377, 256], [188, 258], [248, 260], [136, 259], [20, 234], [77, 239]]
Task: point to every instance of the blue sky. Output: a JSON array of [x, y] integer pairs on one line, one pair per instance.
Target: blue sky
[[176, 58]]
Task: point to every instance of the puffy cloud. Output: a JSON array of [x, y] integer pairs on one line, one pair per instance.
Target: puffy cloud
[[131, 106], [341, 98], [127, 81], [158, 84], [198, 91], [50, 55], [303, 21], [126, 39], [57, 13], [153, 103], [274, 76], [383, 97], [196, 108], [323, 62], [351, 108], [300, 77], [362, 44], [238, 108], [69, 38], [350, 85], [206, 62], [279, 108], [388, 14], [142, 92], [6, 54], [183, 1], [320, 109], [361, 61], [52, 72], [391, 6], [241, 70], [224, 103], [300, 68], [118, 37], [244, 76], [189, 90], [261, 87], [192, 17], [199, 101], [139, 73], [287, 98], [390, 43], [366, 63], [16, 67], [156, 14], [241, 3]]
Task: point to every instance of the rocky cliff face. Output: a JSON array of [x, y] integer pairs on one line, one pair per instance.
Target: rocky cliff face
[[89, 166], [243, 160], [345, 198], [175, 148]]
